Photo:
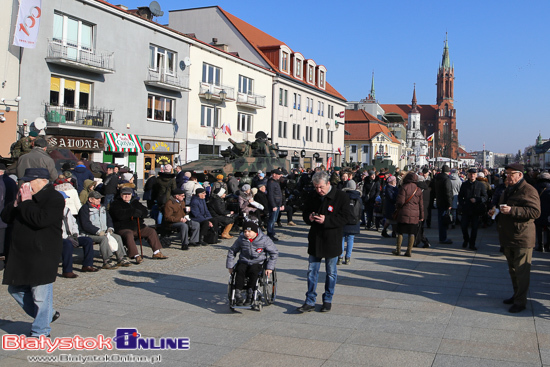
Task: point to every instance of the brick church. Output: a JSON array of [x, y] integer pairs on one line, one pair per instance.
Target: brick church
[[438, 119]]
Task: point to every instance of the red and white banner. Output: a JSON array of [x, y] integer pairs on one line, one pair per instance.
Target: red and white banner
[[226, 129], [28, 23], [329, 162]]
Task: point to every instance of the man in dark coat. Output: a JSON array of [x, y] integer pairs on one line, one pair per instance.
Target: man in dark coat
[[35, 247], [371, 189], [200, 213], [81, 173], [327, 210], [275, 201], [37, 158], [519, 207], [110, 185], [471, 201], [444, 200], [126, 213]]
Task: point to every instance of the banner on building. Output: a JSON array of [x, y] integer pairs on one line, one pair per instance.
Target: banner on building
[[115, 142], [28, 23]]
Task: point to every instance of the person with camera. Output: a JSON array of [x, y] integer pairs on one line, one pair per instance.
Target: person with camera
[[471, 203]]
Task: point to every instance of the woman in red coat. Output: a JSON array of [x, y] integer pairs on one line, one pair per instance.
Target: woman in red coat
[[411, 212]]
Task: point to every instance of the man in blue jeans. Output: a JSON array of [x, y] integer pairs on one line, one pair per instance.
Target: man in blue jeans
[[275, 201], [35, 247], [327, 210]]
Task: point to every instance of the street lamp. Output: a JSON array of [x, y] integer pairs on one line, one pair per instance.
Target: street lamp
[[208, 96]]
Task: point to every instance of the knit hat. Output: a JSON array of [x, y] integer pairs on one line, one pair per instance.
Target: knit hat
[[219, 177], [200, 190], [127, 176], [245, 187], [445, 169], [187, 174], [250, 225]]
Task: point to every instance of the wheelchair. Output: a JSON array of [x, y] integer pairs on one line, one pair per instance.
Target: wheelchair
[[265, 290]]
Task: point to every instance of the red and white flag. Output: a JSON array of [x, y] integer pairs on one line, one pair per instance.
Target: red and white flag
[[339, 151], [28, 23], [226, 129]]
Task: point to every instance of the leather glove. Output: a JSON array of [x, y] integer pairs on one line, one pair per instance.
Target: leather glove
[[101, 233]]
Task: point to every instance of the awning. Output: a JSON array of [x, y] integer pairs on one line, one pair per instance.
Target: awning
[[115, 142]]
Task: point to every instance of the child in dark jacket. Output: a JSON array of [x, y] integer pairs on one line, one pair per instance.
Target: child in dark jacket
[[253, 246]]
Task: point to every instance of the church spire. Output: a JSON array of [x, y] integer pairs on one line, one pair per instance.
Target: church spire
[[414, 102], [445, 59], [372, 94]]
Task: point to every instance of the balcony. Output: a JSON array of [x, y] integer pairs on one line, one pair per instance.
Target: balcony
[[95, 61], [165, 81], [79, 119], [215, 91], [250, 100]]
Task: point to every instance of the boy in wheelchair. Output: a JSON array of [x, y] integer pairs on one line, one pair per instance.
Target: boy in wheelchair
[[253, 246]]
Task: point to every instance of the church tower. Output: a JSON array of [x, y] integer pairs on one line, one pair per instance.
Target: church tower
[[415, 139], [446, 134]]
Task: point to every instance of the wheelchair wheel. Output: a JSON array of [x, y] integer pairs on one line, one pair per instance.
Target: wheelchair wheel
[[269, 285], [231, 291]]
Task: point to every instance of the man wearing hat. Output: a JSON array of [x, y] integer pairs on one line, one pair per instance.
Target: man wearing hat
[[471, 201], [258, 179], [128, 214], [35, 247], [201, 214], [23, 145], [216, 207], [219, 184], [444, 200], [519, 206], [95, 222], [176, 217], [275, 201], [37, 158]]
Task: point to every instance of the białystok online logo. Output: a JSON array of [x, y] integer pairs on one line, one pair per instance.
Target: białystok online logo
[[125, 339]]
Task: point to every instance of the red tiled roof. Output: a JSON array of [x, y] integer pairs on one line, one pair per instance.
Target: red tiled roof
[[427, 112], [363, 126], [466, 154], [262, 41]]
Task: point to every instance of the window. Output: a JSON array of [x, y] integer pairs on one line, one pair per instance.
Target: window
[[295, 132], [298, 67], [309, 133], [307, 107], [162, 60], [284, 62], [245, 85], [319, 108], [244, 122], [72, 32], [280, 96], [299, 101], [322, 108], [330, 111], [366, 149], [353, 148], [310, 105], [160, 108], [295, 103], [70, 93], [282, 129], [283, 97], [330, 137], [310, 73], [207, 116], [319, 135], [211, 74], [322, 79]]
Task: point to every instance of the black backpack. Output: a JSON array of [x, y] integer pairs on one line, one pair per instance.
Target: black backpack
[[356, 208]]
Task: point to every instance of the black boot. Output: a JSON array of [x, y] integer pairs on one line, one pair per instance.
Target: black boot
[[239, 300], [202, 242], [385, 233], [249, 295]]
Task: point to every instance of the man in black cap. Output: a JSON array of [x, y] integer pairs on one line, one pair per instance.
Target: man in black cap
[[176, 216], [35, 247], [37, 158], [275, 201], [519, 206], [471, 202], [444, 200]]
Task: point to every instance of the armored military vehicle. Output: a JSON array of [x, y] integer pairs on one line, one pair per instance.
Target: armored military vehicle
[[242, 157]]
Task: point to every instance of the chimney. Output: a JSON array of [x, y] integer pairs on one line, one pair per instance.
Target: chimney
[[123, 7], [221, 46]]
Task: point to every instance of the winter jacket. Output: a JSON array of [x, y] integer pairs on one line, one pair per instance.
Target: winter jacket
[[73, 201], [110, 184], [232, 185], [36, 241], [216, 206], [543, 188], [244, 203], [37, 158], [325, 240], [413, 211], [371, 189], [456, 182], [199, 210], [174, 210], [261, 198], [81, 173], [426, 188], [93, 220], [353, 228], [254, 252], [190, 187], [390, 197], [125, 215], [443, 191], [472, 190], [83, 196], [162, 190], [71, 223], [274, 194], [517, 228], [180, 179]]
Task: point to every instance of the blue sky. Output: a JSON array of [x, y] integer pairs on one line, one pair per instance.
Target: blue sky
[[500, 50]]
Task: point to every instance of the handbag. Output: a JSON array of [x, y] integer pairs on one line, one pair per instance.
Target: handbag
[[113, 244], [211, 236], [395, 214]]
